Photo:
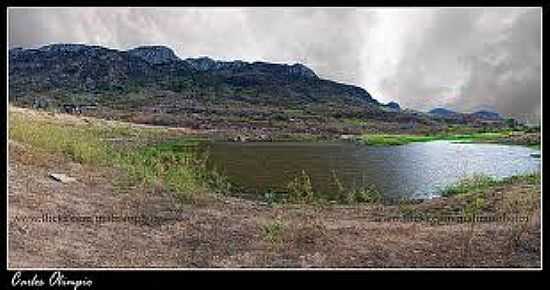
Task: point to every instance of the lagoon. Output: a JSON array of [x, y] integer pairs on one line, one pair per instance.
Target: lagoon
[[415, 170]]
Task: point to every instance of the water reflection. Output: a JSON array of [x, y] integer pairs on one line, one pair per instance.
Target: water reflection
[[415, 170]]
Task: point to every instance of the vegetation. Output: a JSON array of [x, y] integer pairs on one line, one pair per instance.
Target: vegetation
[[480, 196], [273, 231], [389, 139], [363, 194], [81, 144], [473, 183], [304, 236], [175, 165], [401, 139], [477, 137], [477, 183], [179, 166], [520, 205], [471, 211], [300, 189]]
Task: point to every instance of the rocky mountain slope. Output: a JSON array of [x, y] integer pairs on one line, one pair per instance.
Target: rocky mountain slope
[[151, 85], [64, 69]]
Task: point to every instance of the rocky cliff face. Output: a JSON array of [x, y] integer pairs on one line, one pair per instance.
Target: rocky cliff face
[[94, 69], [154, 54]]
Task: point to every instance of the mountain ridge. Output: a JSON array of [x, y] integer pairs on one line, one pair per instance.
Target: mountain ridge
[[461, 116], [96, 68]]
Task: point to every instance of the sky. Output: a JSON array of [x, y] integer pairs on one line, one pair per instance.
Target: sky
[[459, 58]]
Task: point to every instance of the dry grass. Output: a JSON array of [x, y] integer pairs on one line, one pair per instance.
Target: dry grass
[[230, 232], [166, 165]]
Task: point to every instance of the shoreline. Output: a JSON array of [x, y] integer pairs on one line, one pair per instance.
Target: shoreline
[[223, 231]]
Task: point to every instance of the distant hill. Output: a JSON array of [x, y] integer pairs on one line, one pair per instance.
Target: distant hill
[[482, 115], [444, 113], [487, 115]]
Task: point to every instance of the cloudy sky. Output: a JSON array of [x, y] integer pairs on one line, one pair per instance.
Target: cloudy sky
[[461, 58]]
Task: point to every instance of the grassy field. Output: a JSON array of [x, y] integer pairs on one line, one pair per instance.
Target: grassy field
[[174, 164]]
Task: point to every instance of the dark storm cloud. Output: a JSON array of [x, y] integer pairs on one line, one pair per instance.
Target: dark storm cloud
[[429, 68], [469, 59], [422, 58], [328, 40], [506, 73]]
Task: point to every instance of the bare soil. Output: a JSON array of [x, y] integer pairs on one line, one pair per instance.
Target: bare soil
[[233, 232]]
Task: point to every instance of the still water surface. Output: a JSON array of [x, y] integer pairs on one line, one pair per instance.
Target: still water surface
[[417, 170]]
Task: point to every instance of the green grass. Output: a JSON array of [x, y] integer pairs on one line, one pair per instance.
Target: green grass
[[401, 139], [175, 165], [533, 178], [390, 139], [363, 194], [300, 191], [478, 183], [80, 144], [473, 183]]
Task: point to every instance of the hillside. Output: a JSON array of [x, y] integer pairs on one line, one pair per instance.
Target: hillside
[[73, 68], [151, 85]]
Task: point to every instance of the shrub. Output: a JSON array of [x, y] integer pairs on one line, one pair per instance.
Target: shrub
[[470, 184], [273, 231], [366, 194], [178, 166], [300, 189], [363, 194]]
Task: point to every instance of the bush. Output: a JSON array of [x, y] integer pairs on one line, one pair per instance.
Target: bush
[[273, 231], [300, 189], [363, 194]]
